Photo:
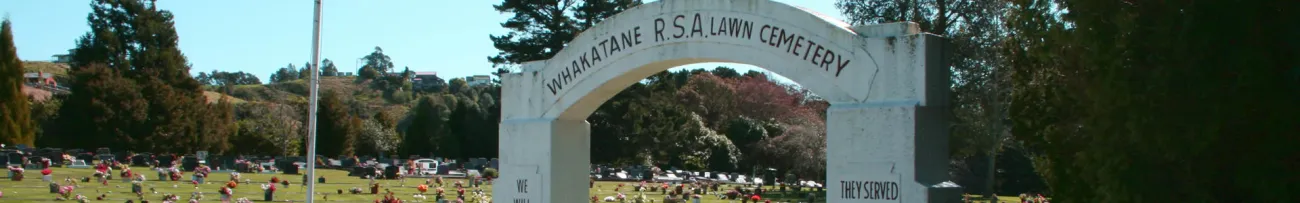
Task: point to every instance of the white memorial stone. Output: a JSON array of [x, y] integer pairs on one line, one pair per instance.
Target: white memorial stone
[[887, 127]]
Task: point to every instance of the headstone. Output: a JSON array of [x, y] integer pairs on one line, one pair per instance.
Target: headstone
[[189, 163], [391, 172], [292, 169]]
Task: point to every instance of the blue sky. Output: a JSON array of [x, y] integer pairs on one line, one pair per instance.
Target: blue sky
[[446, 36]]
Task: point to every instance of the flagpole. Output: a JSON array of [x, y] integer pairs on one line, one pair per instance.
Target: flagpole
[[315, 95]]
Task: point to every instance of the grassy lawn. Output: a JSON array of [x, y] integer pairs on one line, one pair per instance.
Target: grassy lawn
[[31, 189]]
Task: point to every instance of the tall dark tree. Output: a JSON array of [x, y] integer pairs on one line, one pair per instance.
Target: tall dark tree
[[1117, 99], [336, 130], [539, 29], [132, 86], [429, 121], [16, 126]]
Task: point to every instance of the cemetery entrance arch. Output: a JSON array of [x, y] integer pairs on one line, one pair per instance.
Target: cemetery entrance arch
[[887, 127]]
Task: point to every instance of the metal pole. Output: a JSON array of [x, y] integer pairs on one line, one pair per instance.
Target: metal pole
[[315, 95]]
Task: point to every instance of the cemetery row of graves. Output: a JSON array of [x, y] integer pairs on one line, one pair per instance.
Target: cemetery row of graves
[[69, 174]]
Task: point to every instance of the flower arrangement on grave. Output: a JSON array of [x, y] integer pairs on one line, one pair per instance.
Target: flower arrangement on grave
[[355, 190], [437, 180], [459, 184], [285, 183], [595, 199], [275, 179], [268, 191], [621, 197], [232, 184], [640, 198], [170, 197], [17, 173], [389, 198], [640, 187], [422, 188], [460, 192], [176, 173], [226, 192], [196, 195], [66, 191], [243, 200], [755, 198], [733, 194], [137, 186], [80, 199], [45, 172], [481, 197], [269, 188]]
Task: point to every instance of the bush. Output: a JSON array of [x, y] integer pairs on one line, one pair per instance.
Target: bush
[[490, 173]]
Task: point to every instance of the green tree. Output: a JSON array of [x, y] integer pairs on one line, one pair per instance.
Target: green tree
[[429, 120], [328, 68], [268, 128], [45, 114], [375, 138], [377, 65], [336, 130], [1119, 100], [539, 29], [304, 72], [132, 86], [285, 74], [16, 126]]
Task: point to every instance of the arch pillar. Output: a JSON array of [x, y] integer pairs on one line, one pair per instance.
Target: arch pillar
[[543, 160], [885, 152], [894, 147]]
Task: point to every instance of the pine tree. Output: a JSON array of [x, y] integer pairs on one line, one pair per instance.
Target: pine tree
[[132, 87], [540, 29], [16, 126]]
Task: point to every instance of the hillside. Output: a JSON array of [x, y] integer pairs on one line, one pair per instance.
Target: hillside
[[214, 97], [296, 92], [58, 69]]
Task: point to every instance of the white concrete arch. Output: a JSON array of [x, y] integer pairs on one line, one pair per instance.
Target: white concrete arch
[[880, 80]]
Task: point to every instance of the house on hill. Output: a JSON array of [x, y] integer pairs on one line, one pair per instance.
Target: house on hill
[[40, 79], [424, 80], [61, 58], [478, 80]]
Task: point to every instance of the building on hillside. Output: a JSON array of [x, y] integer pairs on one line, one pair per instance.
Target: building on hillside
[[63, 59], [478, 80], [40, 79], [423, 80]]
